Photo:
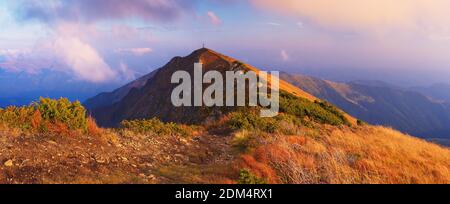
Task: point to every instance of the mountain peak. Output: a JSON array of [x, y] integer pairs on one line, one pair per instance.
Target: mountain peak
[[208, 56], [157, 92], [205, 50]]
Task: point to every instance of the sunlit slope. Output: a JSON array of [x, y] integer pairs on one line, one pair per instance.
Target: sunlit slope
[[336, 155]]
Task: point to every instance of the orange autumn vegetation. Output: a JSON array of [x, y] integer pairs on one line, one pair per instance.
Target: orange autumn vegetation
[[51, 117], [349, 155], [92, 127], [249, 150]]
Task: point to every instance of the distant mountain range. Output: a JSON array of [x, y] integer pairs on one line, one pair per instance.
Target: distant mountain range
[[22, 88], [26, 98], [408, 110], [436, 91]]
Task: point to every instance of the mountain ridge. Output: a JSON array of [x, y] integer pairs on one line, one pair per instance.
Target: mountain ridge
[[134, 105]]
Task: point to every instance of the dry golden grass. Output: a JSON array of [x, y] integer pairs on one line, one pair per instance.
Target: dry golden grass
[[366, 154], [316, 154]]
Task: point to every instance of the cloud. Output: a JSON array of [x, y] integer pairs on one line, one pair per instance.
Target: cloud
[[51, 11], [69, 45], [124, 32], [64, 51], [127, 73], [213, 18], [11, 52], [135, 51], [16, 60], [83, 59], [75, 34], [365, 14], [284, 55]]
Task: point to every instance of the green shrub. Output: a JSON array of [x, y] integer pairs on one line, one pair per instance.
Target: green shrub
[[360, 123], [16, 117], [335, 111], [246, 177], [289, 119], [157, 127], [39, 115], [321, 112], [64, 111], [250, 120]]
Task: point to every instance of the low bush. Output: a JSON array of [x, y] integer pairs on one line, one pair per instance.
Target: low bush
[[247, 177], [71, 114], [23, 118], [250, 120], [321, 112], [333, 110], [294, 112], [46, 115], [157, 127], [360, 123]]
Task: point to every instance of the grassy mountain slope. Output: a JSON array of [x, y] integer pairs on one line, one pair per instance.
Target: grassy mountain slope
[[286, 149], [349, 155], [404, 110]]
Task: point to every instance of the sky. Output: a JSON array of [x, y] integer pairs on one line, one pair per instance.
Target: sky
[[109, 42]]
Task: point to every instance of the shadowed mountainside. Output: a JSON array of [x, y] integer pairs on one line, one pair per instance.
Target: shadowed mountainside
[[109, 98], [436, 91]]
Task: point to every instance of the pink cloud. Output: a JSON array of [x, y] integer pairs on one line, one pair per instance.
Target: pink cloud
[[213, 18], [64, 50], [17, 60], [82, 59], [367, 14], [124, 32], [135, 51]]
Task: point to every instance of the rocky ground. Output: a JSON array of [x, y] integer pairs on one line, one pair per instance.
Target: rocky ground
[[121, 157]]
